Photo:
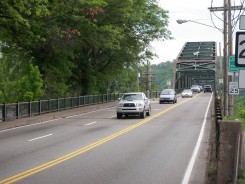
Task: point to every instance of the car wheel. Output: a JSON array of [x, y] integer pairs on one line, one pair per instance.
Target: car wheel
[[143, 114], [119, 115], [148, 113]]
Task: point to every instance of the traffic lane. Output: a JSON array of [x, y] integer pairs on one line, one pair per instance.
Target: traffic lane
[[22, 155], [156, 152], [25, 132], [44, 128], [18, 153], [16, 137]]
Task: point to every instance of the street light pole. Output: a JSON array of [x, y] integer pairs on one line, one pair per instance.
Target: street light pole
[[181, 21]]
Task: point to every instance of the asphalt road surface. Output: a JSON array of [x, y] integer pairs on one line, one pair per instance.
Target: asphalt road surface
[[98, 148]]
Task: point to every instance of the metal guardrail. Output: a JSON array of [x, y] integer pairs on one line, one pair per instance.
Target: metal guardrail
[[32, 108]]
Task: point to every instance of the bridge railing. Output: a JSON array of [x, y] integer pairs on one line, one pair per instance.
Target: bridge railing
[[32, 108]]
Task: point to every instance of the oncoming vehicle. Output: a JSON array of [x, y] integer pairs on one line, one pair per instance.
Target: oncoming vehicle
[[195, 88], [135, 103], [187, 93], [201, 89], [168, 95], [207, 88]]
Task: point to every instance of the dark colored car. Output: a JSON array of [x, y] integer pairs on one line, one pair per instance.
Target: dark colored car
[[207, 88]]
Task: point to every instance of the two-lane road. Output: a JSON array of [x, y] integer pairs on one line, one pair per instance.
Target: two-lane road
[[97, 148]]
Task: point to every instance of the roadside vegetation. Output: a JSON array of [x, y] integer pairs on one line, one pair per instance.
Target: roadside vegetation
[[51, 49], [239, 111]]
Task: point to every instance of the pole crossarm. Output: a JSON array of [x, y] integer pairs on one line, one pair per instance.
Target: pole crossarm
[[213, 9]]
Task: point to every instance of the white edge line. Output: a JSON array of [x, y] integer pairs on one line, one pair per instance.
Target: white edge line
[[40, 137], [89, 112], [30, 125], [188, 171], [51, 120], [90, 123]]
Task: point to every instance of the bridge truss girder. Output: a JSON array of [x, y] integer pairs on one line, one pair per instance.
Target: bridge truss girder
[[200, 71]]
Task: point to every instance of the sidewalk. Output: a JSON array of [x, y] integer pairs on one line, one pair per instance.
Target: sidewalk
[[53, 115]]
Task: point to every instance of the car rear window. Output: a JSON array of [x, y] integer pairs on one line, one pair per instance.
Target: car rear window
[[167, 92], [207, 86]]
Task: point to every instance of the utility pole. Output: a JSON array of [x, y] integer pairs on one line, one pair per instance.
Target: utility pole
[[148, 78], [227, 109], [137, 77], [230, 52], [225, 61]]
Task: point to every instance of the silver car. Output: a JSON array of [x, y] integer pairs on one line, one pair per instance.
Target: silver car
[[168, 95], [187, 93], [135, 103]]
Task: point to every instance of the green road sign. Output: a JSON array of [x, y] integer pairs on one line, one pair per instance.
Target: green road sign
[[232, 67]]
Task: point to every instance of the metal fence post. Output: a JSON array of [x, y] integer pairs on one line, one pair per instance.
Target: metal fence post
[[29, 108], [58, 105], [4, 112], [40, 106], [49, 104], [17, 110]]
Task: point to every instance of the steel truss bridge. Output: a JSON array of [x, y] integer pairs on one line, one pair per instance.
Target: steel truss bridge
[[195, 64]]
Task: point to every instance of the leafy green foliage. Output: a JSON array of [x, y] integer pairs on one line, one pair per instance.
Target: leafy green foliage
[[30, 84], [239, 110], [82, 47], [19, 79], [18, 21]]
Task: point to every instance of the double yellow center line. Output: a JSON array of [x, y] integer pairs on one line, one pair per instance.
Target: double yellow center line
[[59, 160]]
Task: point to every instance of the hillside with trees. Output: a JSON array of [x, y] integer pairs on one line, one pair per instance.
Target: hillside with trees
[[162, 72]]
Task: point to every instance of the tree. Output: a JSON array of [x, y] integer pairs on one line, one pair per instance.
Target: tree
[[19, 79], [79, 46], [18, 22], [162, 73]]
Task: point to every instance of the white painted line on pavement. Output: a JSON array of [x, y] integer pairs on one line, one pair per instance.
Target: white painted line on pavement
[[90, 123], [40, 137], [50, 120], [112, 117], [188, 171], [88, 112], [30, 125]]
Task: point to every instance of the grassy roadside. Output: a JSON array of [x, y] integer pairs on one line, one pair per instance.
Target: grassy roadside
[[239, 111], [236, 118]]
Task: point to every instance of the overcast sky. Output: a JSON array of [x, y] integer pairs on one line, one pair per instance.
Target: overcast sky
[[196, 10]]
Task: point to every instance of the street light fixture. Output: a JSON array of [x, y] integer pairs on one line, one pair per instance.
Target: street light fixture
[[181, 21]]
